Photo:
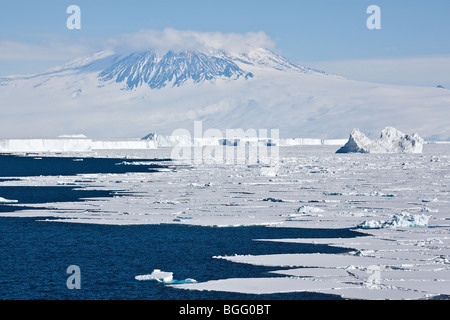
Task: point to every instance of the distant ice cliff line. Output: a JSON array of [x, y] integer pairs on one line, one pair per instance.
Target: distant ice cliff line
[[188, 141], [251, 143], [249, 147], [232, 137], [71, 145]]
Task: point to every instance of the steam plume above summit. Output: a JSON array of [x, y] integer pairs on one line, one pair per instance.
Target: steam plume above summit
[[185, 40]]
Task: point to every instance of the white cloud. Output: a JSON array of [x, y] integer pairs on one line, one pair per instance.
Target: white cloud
[[48, 50], [180, 40]]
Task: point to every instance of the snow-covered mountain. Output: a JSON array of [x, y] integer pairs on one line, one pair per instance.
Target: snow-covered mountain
[[110, 94], [177, 68], [146, 68]]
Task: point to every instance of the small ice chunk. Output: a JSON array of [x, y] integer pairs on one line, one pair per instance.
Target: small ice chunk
[[157, 275], [273, 200], [269, 171], [3, 200], [309, 209], [164, 277], [426, 209], [430, 200], [372, 224]]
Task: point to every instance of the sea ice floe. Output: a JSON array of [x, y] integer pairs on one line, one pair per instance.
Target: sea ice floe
[[268, 285], [311, 260]]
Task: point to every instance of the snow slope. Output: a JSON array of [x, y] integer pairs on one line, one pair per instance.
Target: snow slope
[[111, 95]]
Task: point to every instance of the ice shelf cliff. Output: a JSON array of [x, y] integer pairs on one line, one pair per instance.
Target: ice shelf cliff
[[188, 141], [70, 145], [391, 141]]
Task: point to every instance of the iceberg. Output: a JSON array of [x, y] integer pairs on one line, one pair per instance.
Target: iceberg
[[403, 220], [391, 141]]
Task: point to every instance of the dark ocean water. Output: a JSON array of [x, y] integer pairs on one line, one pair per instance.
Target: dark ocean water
[[35, 255], [23, 166]]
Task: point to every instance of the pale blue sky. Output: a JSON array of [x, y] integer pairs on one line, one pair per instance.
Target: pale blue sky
[[311, 31]]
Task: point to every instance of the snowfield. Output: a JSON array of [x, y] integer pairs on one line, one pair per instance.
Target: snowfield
[[398, 202], [256, 89]]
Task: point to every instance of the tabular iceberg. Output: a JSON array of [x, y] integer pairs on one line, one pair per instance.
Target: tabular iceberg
[[391, 141]]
